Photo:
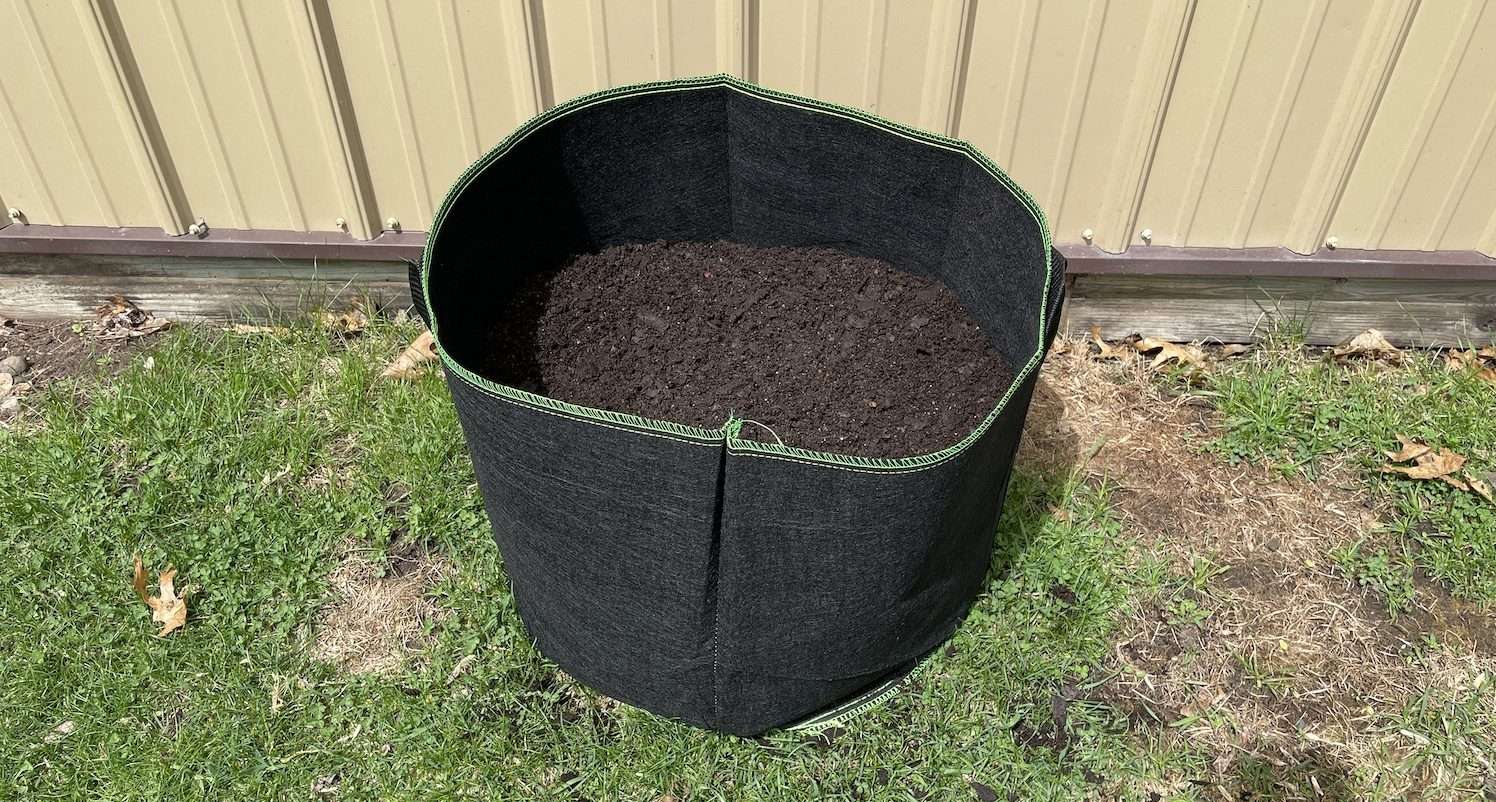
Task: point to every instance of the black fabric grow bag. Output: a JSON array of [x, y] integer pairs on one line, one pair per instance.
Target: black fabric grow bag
[[733, 584]]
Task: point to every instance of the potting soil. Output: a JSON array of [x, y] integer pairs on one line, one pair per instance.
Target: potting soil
[[815, 347]]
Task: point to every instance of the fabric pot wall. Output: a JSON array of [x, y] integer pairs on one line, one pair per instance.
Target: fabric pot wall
[[733, 584]]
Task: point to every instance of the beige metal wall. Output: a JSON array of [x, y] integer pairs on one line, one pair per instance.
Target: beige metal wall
[[1206, 122]]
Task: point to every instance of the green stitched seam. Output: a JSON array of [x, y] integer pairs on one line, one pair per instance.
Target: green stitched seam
[[613, 420], [869, 700], [749, 448]]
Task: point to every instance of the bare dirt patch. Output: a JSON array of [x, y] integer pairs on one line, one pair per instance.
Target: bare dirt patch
[[1265, 653], [381, 606], [53, 350]]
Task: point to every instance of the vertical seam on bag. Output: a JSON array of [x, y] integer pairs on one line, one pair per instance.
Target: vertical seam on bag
[[714, 561], [728, 429], [727, 98]]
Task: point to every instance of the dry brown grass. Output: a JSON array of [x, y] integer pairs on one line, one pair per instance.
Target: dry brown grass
[[381, 608], [1294, 664]]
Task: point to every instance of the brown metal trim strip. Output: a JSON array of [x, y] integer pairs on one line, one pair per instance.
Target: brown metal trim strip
[[231, 243], [1280, 262], [1082, 259]]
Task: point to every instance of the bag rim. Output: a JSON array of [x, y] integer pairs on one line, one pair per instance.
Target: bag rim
[[727, 434]]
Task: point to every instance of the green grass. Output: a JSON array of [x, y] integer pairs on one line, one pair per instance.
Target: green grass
[[201, 462], [1298, 412], [1444, 746], [1389, 575]]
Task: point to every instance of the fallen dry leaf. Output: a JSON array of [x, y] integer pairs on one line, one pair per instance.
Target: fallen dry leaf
[[408, 364], [120, 319], [461, 668], [1429, 464], [1106, 351], [1480, 486], [1234, 349], [1167, 351], [1411, 449], [1455, 359], [1482, 362], [327, 784], [1369, 344], [351, 321], [168, 609], [60, 731]]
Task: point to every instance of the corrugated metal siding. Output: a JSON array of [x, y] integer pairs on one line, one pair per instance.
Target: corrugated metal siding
[[1264, 120], [1209, 123], [1426, 176]]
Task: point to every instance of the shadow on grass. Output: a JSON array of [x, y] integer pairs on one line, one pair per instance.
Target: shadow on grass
[[1036, 482]]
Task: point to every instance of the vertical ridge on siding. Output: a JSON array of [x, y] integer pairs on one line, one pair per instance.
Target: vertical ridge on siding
[[264, 116], [342, 147], [1070, 105], [1265, 120], [963, 65], [405, 118], [34, 199], [734, 37], [463, 119], [229, 203], [1149, 149], [1197, 119], [539, 56], [66, 114], [1431, 134], [1387, 53], [147, 150]]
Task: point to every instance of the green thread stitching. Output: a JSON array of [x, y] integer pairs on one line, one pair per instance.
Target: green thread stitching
[[868, 700], [733, 426], [735, 445], [602, 417]]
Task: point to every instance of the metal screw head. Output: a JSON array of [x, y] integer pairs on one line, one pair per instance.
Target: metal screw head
[[1088, 235], [1146, 235], [392, 224], [1332, 242]]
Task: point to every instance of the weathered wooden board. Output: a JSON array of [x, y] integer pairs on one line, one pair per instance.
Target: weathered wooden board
[[1224, 308], [40, 287], [1243, 309]]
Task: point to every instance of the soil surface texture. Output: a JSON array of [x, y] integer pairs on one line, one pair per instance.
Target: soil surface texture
[[54, 349], [825, 350]]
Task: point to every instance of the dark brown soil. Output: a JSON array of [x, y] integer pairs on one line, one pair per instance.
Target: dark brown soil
[[827, 351], [54, 350]]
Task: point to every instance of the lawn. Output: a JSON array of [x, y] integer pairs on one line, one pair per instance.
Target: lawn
[[1303, 414], [351, 636]]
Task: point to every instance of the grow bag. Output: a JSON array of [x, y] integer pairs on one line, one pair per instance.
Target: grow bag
[[733, 584]]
